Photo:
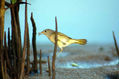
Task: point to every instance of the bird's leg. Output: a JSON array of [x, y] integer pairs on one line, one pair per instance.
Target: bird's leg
[[61, 49]]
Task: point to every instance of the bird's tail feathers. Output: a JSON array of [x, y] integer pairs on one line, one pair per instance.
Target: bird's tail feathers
[[80, 41]]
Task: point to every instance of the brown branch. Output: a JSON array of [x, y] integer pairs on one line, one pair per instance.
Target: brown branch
[[34, 43], [9, 50], [7, 4], [6, 57], [49, 69], [55, 47], [25, 42], [14, 5], [55, 50], [16, 41], [6, 53], [2, 13], [40, 62], [2, 66], [28, 52], [9, 41], [115, 42]]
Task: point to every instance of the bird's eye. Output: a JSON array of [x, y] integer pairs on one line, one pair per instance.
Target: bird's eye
[[45, 30]]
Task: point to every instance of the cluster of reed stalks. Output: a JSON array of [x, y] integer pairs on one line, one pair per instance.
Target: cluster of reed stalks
[[15, 57]]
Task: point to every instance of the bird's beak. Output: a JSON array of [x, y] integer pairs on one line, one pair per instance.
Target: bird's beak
[[39, 33]]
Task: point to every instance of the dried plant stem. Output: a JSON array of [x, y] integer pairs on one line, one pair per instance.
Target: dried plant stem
[[14, 5], [28, 46], [25, 42], [8, 41], [2, 66], [6, 52], [49, 69], [115, 42], [16, 43], [34, 43], [55, 50], [40, 62], [2, 13], [28, 54]]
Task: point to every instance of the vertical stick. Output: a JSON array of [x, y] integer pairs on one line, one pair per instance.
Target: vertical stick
[[15, 42], [9, 52], [49, 69], [34, 43], [28, 54], [6, 53], [53, 75], [5, 45], [55, 50], [115, 42], [2, 66], [2, 12], [5, 70], [28, 49], [40, 62], [16, 26], [25, 42]]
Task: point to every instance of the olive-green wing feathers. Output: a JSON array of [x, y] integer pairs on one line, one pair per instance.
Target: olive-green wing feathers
[[62, 37]]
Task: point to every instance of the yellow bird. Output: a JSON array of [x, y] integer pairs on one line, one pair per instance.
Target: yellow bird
[[62, 39]]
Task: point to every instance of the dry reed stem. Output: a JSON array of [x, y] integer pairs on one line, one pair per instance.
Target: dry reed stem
[[25, 42], [115, 42], [34, 43], [6, 52], [49, 69], [14, 5], [8, 41], [2, 13], [55, 50], [2, 66], [5, 56], [16, 42], [28, 47], [40, 62]]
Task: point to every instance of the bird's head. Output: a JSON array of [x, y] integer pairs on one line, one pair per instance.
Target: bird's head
[[46, 32]]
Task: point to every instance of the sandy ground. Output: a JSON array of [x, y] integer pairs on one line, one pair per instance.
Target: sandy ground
[[92, 62]]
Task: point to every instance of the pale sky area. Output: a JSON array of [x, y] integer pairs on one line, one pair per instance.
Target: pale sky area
[[93, 20]]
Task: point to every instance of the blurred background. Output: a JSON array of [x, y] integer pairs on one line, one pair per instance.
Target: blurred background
[[93, 20]]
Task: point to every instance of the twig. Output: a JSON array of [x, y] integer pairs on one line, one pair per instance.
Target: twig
[[16, 41], [6, 53], [34, 43], [40, 62], [49, 69], [2, 66], [115, 42], [55, 50], [9, 52], [25, 42], [28, 45], [14, 5], [2, 13]]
